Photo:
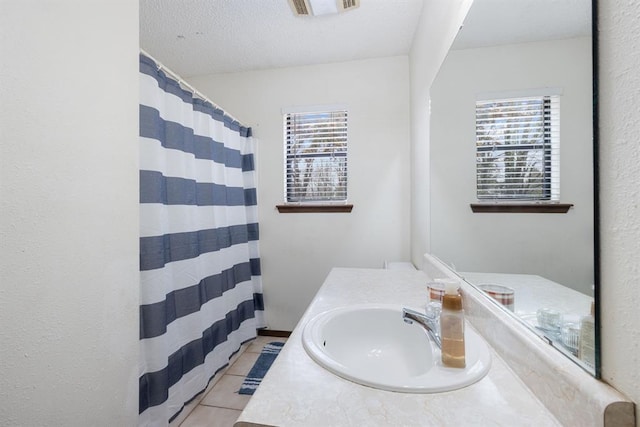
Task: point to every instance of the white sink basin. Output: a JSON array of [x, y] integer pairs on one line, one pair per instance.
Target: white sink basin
[[371, 345]]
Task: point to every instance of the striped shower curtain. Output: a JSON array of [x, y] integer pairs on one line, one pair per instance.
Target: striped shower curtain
[[200, 284]]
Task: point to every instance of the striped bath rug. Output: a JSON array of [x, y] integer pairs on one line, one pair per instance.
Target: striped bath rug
[[260, 368]]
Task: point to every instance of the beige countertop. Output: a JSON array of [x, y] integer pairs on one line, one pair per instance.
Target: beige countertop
[[298, 392]]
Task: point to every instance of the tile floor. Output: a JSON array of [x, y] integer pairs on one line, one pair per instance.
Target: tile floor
[[222, 406]]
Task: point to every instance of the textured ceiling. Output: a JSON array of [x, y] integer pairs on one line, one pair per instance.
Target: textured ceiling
[[495, 22], [196, 37]]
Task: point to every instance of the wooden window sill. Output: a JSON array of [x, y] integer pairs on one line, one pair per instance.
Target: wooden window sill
[[313, 208], [521, 207]]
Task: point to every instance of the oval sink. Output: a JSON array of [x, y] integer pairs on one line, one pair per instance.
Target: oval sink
[[371, 345]]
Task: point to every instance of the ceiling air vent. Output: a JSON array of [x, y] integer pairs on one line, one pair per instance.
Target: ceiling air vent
[[350, 4], [300, 7], [322, 7]]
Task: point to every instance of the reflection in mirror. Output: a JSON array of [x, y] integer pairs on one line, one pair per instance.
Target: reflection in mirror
[[512, 49]]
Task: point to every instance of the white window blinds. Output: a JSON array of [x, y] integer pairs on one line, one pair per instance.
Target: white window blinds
[[316, 157], [518, 149]]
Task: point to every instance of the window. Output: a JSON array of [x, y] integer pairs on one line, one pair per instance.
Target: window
[[316, 157], [517, 149]]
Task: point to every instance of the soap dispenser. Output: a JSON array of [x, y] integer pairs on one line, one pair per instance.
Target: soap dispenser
[[452, 327]]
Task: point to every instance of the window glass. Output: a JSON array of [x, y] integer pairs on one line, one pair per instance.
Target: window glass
[[316, 157]]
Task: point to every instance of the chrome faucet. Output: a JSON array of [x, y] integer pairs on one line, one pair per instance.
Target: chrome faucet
[[430, 322]]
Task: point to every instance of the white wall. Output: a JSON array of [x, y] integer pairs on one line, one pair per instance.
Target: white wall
[[438, 26], [298, 250], [69, 214], [556, 246], [620, 195]]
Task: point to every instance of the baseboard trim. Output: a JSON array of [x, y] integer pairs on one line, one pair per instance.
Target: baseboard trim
[[273, 333]]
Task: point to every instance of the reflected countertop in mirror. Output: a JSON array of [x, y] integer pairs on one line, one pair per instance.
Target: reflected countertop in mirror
[[533, 292], [551, 310]]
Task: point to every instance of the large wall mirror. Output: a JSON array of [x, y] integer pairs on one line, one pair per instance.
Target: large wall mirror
[[543, 262]]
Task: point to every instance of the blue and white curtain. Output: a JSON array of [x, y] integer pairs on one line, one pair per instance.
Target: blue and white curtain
[[200, 284]]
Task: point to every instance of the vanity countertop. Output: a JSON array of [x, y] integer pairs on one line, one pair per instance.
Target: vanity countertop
[[298, 392]]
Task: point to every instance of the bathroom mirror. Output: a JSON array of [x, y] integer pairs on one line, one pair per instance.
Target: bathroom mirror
[[511, 49]]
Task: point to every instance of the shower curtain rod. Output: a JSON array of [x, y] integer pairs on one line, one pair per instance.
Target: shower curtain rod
[[182, 83]]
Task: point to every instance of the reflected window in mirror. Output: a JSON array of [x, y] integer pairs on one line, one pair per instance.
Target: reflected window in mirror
[[518, 149]]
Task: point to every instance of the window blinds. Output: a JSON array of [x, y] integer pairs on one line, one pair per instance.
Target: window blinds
[[316, 157], [517, 149]]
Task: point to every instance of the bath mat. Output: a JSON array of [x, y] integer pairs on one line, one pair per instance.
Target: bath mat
[[260, 368]]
